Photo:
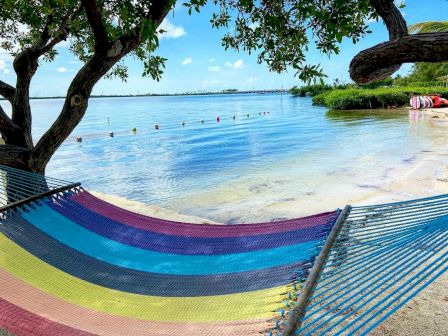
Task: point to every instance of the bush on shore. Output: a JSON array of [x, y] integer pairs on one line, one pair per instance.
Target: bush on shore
[[350, 99], [310, 90]]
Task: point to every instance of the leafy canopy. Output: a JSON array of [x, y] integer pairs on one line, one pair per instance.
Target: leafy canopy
[[279, 31]]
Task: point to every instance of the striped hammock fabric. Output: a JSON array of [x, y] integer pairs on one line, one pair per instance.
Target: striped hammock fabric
[[72, 264]]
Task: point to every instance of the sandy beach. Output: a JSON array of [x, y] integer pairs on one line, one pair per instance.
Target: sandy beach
[[427, 313], [424, 175]]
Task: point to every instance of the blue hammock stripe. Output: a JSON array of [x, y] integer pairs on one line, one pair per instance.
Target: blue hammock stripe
[[105, 274], [72, 264]]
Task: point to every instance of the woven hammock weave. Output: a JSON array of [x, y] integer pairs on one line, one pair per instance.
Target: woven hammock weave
[[72, 264]]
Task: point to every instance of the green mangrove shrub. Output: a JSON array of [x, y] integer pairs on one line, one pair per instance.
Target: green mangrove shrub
[[373, 98]]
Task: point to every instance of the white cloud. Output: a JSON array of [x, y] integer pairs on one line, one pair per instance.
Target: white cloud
[[236, 65], [214, 68], [211, 60], [171, 31], [187, 61], [62, 69]]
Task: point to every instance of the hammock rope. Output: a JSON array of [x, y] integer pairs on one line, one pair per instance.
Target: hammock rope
[[72, 264], [383, 257]]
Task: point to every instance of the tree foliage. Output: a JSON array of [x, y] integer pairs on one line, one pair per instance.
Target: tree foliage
[[23, 22], [429, 27], [427, 72], [280, 31]]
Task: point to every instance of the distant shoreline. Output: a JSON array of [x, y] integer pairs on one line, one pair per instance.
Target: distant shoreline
[[230, 92]]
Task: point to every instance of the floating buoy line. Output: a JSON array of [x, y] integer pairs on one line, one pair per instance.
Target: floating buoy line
[[158, 127]]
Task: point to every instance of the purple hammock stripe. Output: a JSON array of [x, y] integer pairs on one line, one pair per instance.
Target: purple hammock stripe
[[196, 230], [73, 262], [180, 244]]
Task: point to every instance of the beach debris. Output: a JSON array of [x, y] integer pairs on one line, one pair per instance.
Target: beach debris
[[78, 139], [111, 134]]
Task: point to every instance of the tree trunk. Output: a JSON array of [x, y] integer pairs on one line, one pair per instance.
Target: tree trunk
[[19, 151], [15, 157]]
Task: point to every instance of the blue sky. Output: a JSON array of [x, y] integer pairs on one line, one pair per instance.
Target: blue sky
[[197, 61]]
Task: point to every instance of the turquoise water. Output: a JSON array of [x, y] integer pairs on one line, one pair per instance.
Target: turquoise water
[[235, 169]]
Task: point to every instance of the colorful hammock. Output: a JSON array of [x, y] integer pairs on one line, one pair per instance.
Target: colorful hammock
[[72, 264]]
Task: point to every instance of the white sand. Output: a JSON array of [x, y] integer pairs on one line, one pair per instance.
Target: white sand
[[427, 314], [151, 210], [436, 113]]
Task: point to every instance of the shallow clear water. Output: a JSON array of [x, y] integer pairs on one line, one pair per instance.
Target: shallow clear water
[[236, 169]]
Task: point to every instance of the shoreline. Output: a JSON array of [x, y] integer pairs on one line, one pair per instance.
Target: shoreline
[[230, 92], [435, 113], [426, 313], [426, 175]]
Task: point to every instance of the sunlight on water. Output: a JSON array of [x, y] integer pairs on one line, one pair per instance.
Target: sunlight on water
[[249, 168]]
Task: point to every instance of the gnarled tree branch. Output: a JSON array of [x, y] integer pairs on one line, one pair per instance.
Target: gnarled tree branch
[[373, 63], [395, 23], [75, 104], [25, 65], [8, 129], [7, 91], [14, 156], [397, 27], [94, 17], [158, 11], [73, 111]]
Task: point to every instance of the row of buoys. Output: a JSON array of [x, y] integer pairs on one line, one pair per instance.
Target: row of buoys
[[157, 126], [422, 102]]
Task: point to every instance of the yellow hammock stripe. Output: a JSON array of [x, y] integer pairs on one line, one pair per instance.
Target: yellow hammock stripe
[[241, 306]]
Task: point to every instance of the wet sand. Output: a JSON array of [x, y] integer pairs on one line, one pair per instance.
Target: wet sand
[[426, 175], [436, 113], [425, 315]]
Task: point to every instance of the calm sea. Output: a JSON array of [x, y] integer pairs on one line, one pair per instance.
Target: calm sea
[[264, 151]]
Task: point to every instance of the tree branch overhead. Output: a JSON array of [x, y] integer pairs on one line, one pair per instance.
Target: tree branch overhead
[[7, 91]]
